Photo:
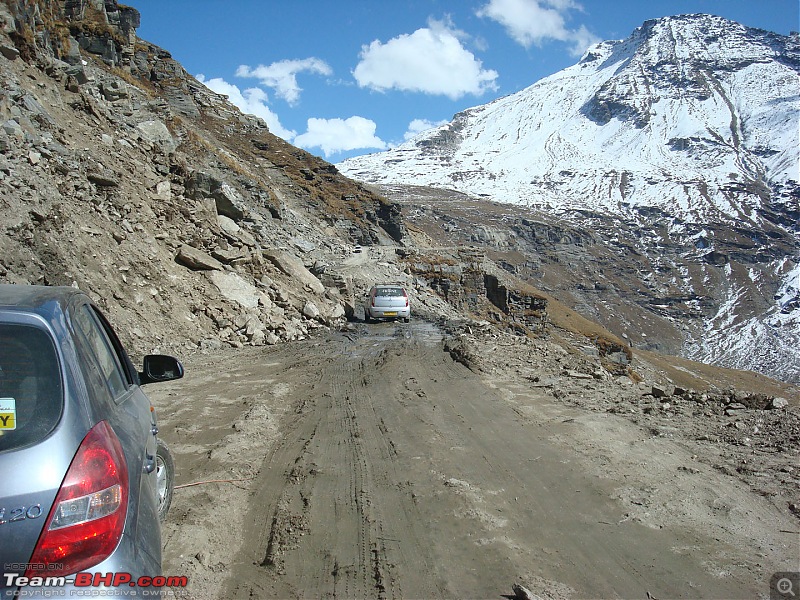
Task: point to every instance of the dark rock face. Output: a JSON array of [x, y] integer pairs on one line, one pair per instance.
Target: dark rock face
[[608, 104], [528, 309], [104, 28], [390, 218], [448, 138]]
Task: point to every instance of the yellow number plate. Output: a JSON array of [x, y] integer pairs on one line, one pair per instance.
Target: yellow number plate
[[8, 414], [390, 314]]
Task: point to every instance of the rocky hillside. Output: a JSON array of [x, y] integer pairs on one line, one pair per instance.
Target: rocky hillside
[[187, 221], [671, 158]]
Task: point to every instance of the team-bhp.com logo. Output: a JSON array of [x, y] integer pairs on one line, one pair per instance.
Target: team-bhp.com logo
[[96, 580]]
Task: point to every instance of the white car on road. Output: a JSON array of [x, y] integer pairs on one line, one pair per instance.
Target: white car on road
[[387, 301]]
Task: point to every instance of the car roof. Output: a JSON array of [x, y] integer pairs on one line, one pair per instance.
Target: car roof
[[40, 299]]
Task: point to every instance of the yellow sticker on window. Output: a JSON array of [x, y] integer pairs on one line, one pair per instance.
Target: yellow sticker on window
[[8, 414]]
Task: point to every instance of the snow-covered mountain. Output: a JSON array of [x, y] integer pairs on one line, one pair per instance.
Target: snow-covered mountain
[[689, 129]]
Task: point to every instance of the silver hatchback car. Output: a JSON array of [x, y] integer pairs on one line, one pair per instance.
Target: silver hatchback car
[[80, 466], [387, 301]]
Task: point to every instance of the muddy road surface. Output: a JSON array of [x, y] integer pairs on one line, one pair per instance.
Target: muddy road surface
[[370, 464]]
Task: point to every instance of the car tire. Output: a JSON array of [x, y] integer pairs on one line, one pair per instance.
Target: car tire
[[407, 320], [165, 479]]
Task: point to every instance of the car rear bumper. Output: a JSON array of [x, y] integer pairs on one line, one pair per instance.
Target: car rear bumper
[[378, 312]]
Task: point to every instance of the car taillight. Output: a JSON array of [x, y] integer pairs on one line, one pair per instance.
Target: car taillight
[[88, 515], [405, 295]]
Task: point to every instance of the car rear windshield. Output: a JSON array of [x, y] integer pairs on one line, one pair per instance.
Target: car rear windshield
[[390, 291], [31, 396]]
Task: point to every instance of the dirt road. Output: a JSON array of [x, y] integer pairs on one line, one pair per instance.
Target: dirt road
[[369, 464]]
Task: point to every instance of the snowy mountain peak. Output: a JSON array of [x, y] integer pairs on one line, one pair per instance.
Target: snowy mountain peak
[[693, 114], [707, 40]]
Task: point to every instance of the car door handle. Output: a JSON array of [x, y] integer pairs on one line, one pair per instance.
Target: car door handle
[[150, 464]]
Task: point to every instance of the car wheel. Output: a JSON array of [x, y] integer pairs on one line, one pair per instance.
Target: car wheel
[[165, 479], [406, 319]]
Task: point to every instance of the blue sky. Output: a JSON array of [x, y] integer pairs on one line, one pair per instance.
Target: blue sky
[[341, 78]]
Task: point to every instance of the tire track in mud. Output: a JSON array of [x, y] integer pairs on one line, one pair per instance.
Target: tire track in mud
[[401, 473], [332, 515]]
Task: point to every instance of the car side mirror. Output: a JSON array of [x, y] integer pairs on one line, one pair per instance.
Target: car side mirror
[[160, 367]]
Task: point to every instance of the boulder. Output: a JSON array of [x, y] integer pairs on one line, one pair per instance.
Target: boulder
[[778, 403], [228, 256], [264, 300], [73, 53], [349, 309], [199, 185], [310, 310], [293, 267], [103, 178], [163, 190], [9, 52], [303, 245], [660, 391], [234, 232], [228, 225], [229, 202], [156, 133], [253, 326], [197, 260], [114, 90], [332, 313], [236, 289], [77, 73], [13, 129]]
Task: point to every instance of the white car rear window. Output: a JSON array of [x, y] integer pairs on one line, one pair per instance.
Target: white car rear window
[[389, 291]]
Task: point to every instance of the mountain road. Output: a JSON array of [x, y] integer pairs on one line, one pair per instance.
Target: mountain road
[[370, 464]]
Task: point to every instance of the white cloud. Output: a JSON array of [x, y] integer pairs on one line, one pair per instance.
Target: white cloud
[[338, 135], [431, 60], [282, 75], [533, 22], [582, 38], [330, 135], [419, 125], [252, 101]]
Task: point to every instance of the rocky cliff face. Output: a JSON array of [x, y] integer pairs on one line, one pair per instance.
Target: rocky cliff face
[[186, 220], [672, 156]]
